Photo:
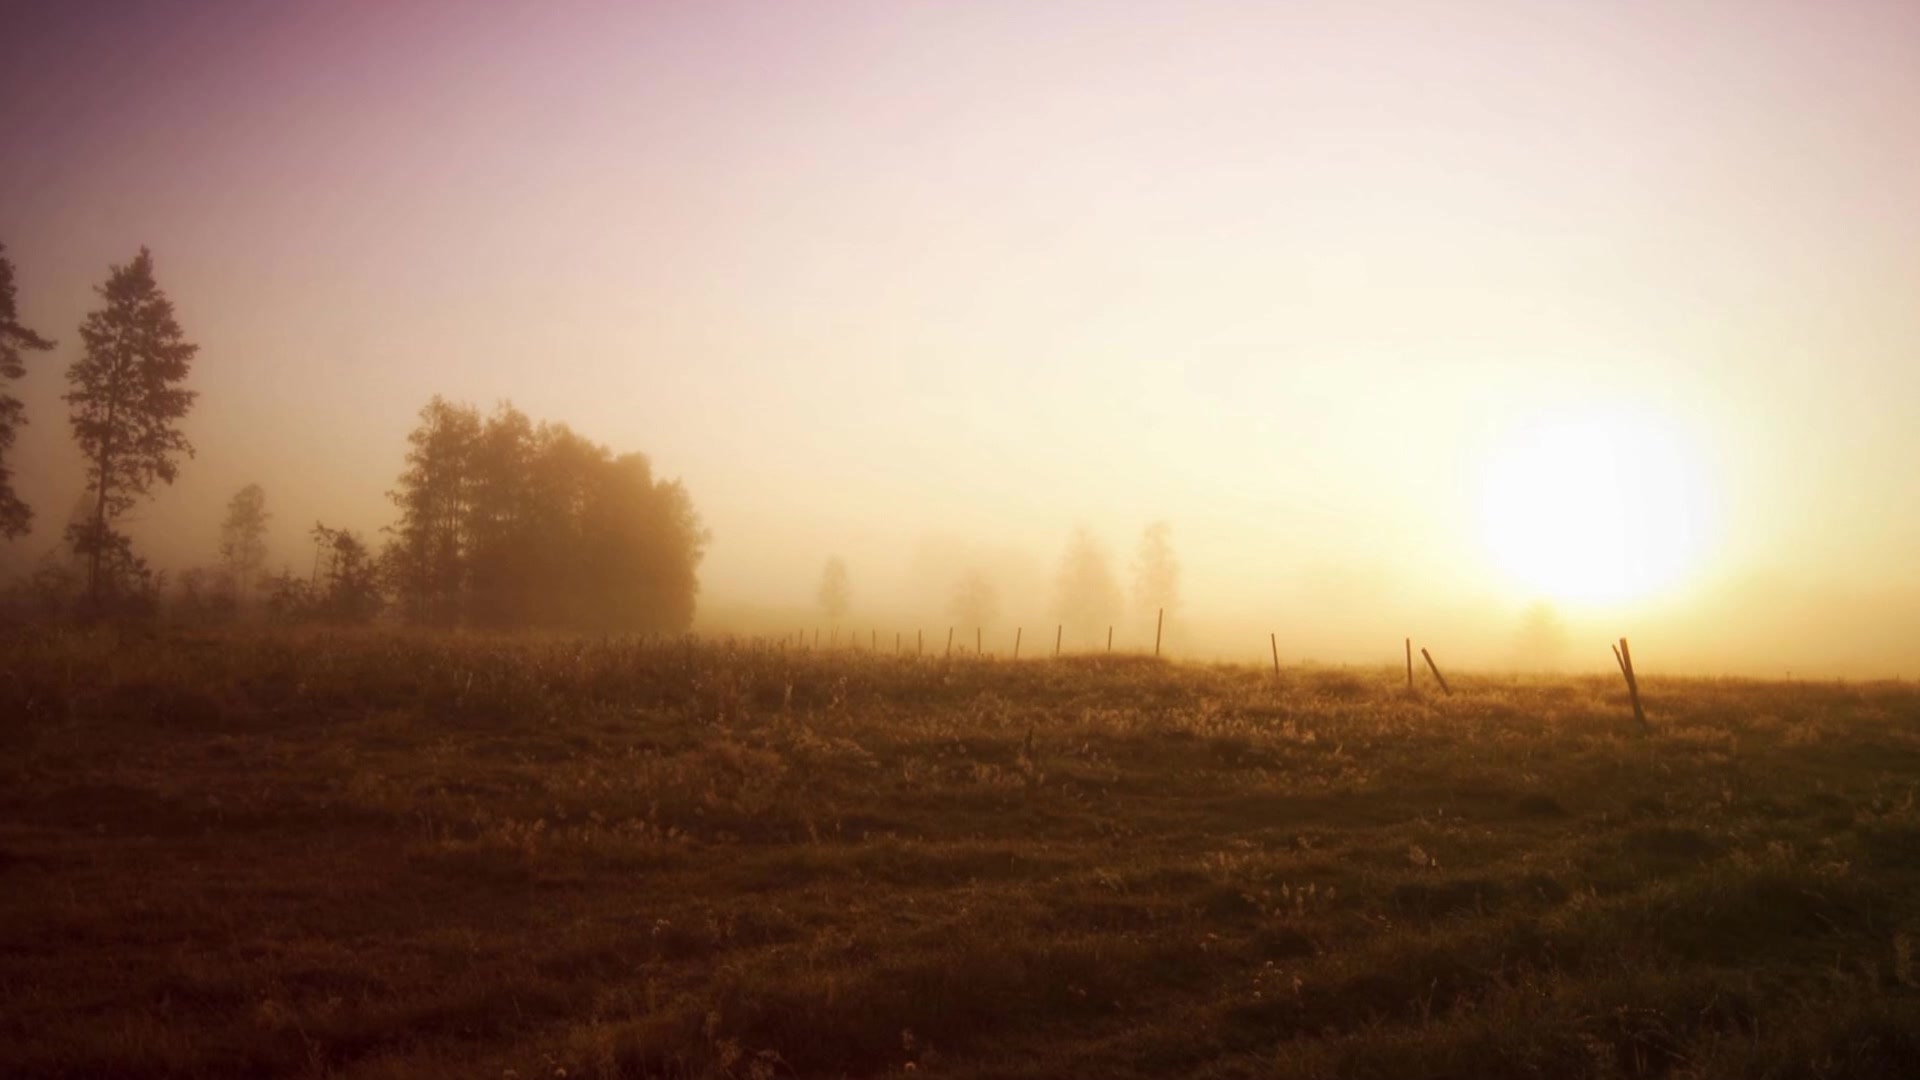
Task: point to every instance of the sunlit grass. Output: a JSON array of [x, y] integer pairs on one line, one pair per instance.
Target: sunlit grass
[[375, 854]]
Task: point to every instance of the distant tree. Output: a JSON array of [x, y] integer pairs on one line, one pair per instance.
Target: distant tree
[[1156, 572], [203, 596], [126, 404], [15, 516], [428, 562], [638, 548], [243, 541], [975, 601], [836, 592], [506, 523], [349, 590], [1086, 598], [289, 597], [44, 595], [1542, 639], [503, 543]]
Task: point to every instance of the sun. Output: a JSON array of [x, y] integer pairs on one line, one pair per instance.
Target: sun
[[1596, 506]]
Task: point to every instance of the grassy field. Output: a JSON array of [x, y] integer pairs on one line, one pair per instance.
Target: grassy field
[[377, 855]]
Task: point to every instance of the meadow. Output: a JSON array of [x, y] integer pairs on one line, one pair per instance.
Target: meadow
[[379, 855]]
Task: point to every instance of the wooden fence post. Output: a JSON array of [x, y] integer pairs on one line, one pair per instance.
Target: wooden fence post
[[1159, 621], [1109, 637], [1016, 643], [1625, 656], [1435, 668], [1056, 639], [949, 642], [1274, 643]]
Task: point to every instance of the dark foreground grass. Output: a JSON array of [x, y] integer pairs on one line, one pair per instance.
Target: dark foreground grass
[[388, 856]]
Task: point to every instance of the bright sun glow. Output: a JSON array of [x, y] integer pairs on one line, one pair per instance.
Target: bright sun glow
[[1596, 507]]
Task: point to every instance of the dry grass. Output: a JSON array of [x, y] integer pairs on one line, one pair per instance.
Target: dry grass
[[377, 855]]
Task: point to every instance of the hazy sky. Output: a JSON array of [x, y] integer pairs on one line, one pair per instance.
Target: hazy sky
[[894, 279]]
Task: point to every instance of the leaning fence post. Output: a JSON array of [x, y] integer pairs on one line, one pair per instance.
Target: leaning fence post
[[1016, 643], [1273, 642], [1159, 621], [1435, 668]]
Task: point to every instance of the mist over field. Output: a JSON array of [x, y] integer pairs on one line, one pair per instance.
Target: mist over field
[[928, 288], [737, 540]]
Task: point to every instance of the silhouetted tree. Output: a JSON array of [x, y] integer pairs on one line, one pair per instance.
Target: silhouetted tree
[[511, 524], [975, 601], [1156, 572], [642, 548], [289, 596], [16, 517], [428, 560], [243, 541], [57, 586], [126, 404], [203, 596], [350, 589], [501, 539], [1086, 598], [44, 595], [835, 594]]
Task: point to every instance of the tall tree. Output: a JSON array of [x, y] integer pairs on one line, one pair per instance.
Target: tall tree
[[1086, 597], [641, 548], [428, 561], [836, 591], [500, 539], [243, 540], [15, 516], [126, 405]]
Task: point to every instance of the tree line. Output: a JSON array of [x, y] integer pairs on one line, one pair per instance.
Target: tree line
[[1087, 599], [502, 522]]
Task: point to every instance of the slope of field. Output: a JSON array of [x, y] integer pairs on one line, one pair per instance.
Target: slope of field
[[381, 855]]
